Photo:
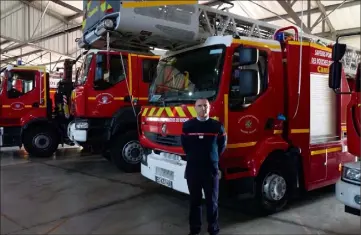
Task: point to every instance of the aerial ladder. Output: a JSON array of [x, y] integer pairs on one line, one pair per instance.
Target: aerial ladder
[[145, 25]]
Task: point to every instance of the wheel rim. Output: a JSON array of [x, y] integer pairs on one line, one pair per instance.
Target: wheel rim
[[41, 141], [132, 152], [274, 187]]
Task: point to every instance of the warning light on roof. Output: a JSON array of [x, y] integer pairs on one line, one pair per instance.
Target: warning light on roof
[[280, 37]]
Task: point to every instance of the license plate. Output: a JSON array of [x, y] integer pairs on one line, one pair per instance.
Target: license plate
[[164, 182]]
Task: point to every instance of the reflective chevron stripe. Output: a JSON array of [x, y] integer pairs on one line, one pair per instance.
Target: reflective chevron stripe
[[171, 112]]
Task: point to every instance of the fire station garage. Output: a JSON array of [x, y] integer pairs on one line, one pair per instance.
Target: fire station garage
[[95, 94]]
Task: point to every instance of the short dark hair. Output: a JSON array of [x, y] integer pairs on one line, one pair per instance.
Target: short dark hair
[[202, 98]]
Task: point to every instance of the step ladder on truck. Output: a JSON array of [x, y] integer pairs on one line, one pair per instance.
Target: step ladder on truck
[[284, 131], [348, 185]]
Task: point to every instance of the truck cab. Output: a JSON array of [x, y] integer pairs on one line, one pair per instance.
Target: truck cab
[[106, 101], [24, 106]]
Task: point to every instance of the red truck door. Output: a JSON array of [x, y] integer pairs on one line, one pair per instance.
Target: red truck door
[[144, 72], [108, 91], [248, 117], [21, 94]]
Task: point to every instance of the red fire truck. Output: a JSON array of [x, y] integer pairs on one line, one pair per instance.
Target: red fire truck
[[26, 111], [283, 124], [280, 138], [105, 102], [30, 115]]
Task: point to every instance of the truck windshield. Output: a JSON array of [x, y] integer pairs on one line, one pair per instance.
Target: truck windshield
[[20, 83], [85, 68], [189, 75]]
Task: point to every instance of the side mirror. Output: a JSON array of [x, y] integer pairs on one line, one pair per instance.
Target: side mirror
[[248, 56], [248, 82], [338, 51], [334, 79]]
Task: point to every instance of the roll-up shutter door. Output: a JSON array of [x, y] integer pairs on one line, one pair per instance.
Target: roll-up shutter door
[[323, 110]]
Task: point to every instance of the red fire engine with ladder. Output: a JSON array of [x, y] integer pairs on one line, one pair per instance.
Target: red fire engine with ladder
[[266, 85]]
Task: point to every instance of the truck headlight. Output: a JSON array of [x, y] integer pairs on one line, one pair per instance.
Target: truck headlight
[[351, 174], [81, 125]]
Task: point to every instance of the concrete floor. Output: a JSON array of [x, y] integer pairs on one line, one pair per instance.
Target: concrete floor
[[75, 193]]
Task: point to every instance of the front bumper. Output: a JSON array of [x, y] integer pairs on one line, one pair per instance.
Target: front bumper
[[90, 131], [348, 194], [10, 136], [162, 169], [76, 135]]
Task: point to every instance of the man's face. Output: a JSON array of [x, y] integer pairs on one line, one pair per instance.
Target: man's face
[[202, 108]]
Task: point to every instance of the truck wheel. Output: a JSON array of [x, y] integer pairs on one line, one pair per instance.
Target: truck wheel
[[41, 142], [126, 152], [272, 188]]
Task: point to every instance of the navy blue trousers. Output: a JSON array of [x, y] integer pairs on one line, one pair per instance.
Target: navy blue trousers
[[210, 184]]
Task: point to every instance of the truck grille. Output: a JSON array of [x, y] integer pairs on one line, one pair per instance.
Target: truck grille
[[169, 140]]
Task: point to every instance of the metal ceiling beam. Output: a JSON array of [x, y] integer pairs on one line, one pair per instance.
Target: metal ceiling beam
[[287, 7], [49, 12], [8, 12], [323, 11], [38, 47], [10, 59], [293, 2], [4, 42], [73, 17], [68, 6], [338, 32], [41, 38], [309, 14], [315, 10]]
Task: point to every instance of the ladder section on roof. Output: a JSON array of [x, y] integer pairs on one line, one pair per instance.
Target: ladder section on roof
[[174, 27], [222, 22]]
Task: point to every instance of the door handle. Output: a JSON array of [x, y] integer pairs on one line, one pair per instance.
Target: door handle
[[35, 105]]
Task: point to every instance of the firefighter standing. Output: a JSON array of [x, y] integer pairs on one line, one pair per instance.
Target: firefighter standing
[[203, 141]]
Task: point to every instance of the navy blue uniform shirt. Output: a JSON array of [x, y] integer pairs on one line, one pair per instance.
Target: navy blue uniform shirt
[[203, 142]]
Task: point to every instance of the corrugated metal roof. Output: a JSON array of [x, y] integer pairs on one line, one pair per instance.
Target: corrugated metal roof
[[341, 19]]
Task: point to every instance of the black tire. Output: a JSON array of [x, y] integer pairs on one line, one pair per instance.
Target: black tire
[[272, 176], [122, 148], [41, 141]]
